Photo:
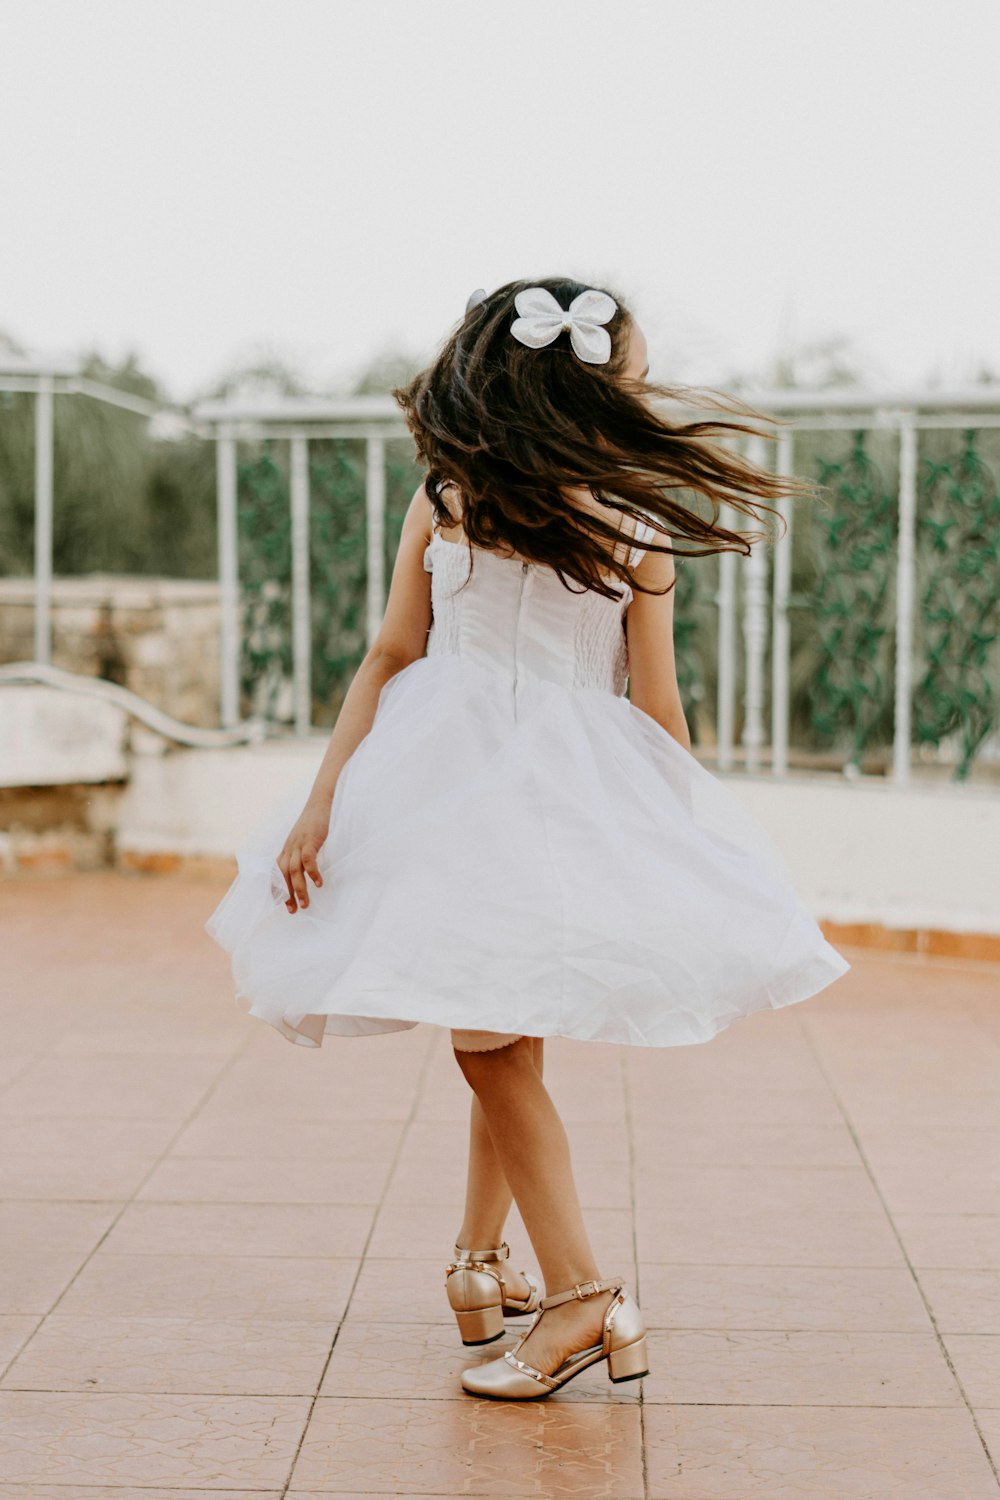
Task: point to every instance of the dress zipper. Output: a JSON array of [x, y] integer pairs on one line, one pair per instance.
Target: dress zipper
[[517, 621]]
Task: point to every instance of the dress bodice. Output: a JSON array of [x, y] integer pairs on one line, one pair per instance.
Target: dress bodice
[[518, 618]]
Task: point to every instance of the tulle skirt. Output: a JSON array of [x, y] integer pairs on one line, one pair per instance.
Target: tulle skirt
[[567, 869]]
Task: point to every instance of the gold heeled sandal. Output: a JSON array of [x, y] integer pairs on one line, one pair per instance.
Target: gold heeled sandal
[[479, 1297], [623, 1345]]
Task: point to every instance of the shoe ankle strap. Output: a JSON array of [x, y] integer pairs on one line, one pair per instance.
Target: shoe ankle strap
[[583, 1289], [501, 1252]]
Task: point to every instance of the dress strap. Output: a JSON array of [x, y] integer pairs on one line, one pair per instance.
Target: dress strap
[[642, 533]]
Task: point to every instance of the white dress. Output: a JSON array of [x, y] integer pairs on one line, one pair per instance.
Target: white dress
[[514, 847]]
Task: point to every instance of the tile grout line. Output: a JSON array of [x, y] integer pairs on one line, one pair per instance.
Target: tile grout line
[[187, 1119], [855, 1136], [629, 1136], [418, 1094]]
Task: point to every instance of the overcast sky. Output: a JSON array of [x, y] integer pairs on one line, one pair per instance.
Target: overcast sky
[[204, 181]]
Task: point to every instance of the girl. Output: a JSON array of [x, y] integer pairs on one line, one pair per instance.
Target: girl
[[498, 840]]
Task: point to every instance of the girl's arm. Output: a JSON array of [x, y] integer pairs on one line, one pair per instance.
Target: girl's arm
[[401, 639], [649, 630]]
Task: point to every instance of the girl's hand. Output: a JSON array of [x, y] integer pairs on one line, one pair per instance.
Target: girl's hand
[[298, 857]]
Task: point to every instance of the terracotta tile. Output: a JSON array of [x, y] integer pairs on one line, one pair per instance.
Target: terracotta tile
[[14, 1063], [211, 1034], [406, 1290], [200, 1286], [588, 1106], [746, 1144], [743, 1236], [954, 1185], [14, 1334], [382, 1360], [955, 1241], [785, 1191], [602, 1142], [31, 1280], [147, 1087], [127, 1492], [467, 1446], [73, 1177], [425, 1231], [927, 1057], [770, 1269], [890, 1106], [907, 1141], [731, 1059], [932, 1020], [814, 1453], [745, 1368], [96, 1439], [258, 1137], [60, 1227], [989, 1424], [91, 1137], [976, 1357], [312, 1091], [235, 1229], [672, 1109], [434, 1184], [792, 1298], [963, 1301], [265, 1180], [183, 1355]]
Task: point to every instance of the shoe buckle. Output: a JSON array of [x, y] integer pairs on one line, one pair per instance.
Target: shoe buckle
[[581, 1289]]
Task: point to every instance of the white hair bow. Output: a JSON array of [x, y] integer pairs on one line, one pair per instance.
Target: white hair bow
[[542, 320]]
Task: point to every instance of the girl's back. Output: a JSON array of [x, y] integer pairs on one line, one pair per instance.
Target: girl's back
[[518, 618]]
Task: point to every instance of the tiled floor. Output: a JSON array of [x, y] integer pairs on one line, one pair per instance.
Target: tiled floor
[[222, 1255]]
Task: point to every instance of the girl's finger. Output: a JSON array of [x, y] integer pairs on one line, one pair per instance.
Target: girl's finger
[[298, 880], [282, 863], [310, 866]]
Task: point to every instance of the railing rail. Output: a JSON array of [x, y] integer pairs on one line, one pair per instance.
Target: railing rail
[[754, 601]]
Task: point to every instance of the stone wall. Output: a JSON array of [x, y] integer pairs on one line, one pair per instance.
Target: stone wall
[[157, 636]]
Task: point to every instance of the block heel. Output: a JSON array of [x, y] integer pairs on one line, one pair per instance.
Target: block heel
[[480, 1325], [478, 1294], [629, 1363]]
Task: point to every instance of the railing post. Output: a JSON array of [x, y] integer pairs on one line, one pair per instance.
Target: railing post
[[229, 635], [375, 517], [905, 595], [44, 439], [725, 709], [755, 635], [780, 629], [301, 624]]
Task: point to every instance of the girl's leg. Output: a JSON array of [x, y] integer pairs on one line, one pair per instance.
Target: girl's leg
[[487, 1195], [531, 1147]]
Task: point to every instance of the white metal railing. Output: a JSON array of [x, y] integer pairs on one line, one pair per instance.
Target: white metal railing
[[765, 613], [374, 419], [296, 421]]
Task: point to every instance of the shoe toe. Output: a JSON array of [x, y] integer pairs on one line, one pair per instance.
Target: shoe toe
[[496, 1377]]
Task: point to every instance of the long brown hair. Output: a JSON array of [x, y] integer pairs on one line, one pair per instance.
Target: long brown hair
[[511, 428]]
